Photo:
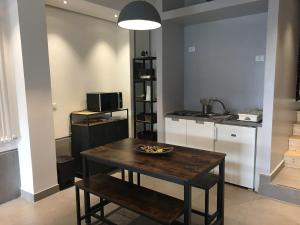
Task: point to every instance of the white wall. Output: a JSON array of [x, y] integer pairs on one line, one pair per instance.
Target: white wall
[[86, 55], [285, 105], [31, 70], [280, 105]]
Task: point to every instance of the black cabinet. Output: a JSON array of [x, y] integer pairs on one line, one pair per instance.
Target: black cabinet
[[65, 171], [93, 129]]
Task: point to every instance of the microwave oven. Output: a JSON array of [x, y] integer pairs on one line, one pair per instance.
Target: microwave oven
[[101, 102]]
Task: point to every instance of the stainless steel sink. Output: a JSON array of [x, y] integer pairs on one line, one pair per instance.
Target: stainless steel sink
[[216, 116], [213, 116]]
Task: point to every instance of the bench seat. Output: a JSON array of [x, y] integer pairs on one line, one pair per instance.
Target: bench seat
[[154, 205]]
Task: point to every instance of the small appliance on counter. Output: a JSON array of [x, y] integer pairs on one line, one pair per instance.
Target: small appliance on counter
[[101, 102], [253, 116]]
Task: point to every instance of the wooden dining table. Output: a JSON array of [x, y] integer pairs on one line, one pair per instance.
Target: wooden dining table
[[182, 166]]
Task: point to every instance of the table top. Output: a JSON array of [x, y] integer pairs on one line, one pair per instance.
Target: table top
[[182, 165]]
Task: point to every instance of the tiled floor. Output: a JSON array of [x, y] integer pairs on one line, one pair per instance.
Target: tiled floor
[[242, 207], [288, 177]]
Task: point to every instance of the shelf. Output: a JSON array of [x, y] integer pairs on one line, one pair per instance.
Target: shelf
[[90, 124], [90, 113], [143, 76], [146, 122], [143, 80], [145, 58], [146, 101]]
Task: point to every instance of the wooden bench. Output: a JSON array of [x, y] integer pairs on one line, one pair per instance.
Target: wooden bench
[[154, 205], [206, 182]]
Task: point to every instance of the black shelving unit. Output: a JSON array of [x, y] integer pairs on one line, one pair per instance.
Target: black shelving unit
[[298, 78], [144, 116]]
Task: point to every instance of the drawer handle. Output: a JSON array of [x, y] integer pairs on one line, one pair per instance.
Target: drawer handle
[[175, 119], [199, 121], [233, 135]]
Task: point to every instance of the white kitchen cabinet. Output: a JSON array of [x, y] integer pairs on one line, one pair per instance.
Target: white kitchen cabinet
[[238, 143], [200, 135], [175, 131]]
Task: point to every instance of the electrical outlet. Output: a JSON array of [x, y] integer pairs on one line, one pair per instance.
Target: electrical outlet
[[259, 58], [192, 49]]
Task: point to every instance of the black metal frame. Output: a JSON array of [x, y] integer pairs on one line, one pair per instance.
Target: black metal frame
[[151, 102], [298, 78], [77, 113], [91, 211], [76, 147]]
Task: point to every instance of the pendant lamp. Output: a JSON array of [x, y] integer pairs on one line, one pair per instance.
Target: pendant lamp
[[139, 15]]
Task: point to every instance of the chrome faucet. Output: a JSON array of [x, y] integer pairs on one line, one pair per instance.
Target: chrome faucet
[[212, 101]]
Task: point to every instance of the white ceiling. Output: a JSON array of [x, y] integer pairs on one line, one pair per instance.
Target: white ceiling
[[103, 9], [87, 7], [114, 4]]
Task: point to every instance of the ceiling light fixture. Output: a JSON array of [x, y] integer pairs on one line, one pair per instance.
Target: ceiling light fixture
[[65, 2], [116, 16], [139, 15]]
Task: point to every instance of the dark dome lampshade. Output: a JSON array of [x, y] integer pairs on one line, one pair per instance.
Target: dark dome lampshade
[[139, 15]]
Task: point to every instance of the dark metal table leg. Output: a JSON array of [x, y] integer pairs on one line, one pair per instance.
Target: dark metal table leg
[[78, 212], [206, 217], [221, 192], [138, 179], [87, 199], [130, 177], [123, 174], [187, 204], [102, 208]]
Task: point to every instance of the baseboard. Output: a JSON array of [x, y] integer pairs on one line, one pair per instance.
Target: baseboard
[[39, 196], [277, 169], [279, 192]]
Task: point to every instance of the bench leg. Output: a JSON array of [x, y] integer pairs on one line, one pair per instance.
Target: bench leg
[[87, 204], [78, 212], [206, 217], [87, 199], [102, 208]]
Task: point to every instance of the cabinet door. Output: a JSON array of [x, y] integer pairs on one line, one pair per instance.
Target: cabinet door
[[200, 135], [238, 143], [175, 131]]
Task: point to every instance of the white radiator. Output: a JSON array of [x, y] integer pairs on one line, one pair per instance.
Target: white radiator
[[7, 129]]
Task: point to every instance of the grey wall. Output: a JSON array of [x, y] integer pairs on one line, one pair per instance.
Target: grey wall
[[9, 176], [223, 65], [173, 90]]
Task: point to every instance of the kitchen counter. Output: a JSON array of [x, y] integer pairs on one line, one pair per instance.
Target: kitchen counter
[[217, 133], [233, 121]]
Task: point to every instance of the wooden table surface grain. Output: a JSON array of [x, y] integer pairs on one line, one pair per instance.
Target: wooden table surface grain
[[180, 166]]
